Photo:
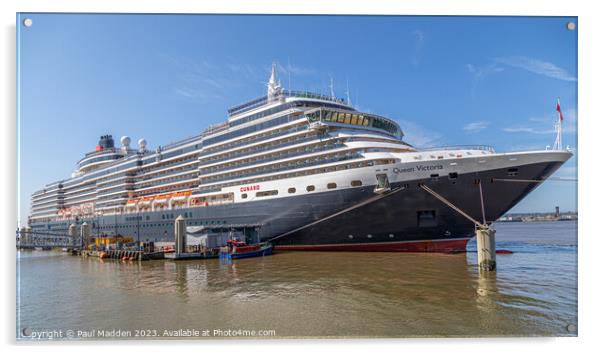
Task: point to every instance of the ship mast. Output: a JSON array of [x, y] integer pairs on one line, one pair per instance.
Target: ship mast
[[558, 126], [273, 85]]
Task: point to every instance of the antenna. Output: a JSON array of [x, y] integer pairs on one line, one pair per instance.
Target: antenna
[[348, 96], [289, 75], [331, 88]]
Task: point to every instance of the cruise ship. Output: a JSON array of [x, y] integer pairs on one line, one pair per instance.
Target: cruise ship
[[304, 171]]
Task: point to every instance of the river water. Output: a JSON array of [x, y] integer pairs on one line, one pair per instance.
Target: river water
[[309, 294]]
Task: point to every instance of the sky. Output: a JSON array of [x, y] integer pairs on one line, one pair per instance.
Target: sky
[[445, 80]]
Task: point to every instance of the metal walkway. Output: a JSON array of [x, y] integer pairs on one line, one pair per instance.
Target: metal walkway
[[32, 239]]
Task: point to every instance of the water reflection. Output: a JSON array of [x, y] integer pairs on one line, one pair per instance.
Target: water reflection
[[310, 294]]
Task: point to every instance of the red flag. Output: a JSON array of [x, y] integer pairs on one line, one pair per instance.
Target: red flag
[[558, 110]]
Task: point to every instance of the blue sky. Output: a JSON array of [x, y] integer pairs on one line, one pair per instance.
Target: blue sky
[[446, 80]]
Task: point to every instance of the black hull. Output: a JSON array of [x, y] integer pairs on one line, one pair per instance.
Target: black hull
[[393, 221]]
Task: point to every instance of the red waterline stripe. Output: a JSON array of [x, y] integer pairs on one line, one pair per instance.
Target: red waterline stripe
[[456, 245]]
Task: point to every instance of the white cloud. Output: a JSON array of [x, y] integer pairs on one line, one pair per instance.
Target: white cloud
[[475, 127], [537, 66], [546, 124], [419, 136], [295, 70], [479, 73], [526, 129], [419, 37], [196, 94]]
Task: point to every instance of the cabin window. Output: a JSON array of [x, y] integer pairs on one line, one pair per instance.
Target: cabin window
[[243, 196], [453, 175], [266, 193], [292, 190], [311, 188], [512, 172], [331, 185], [356, 183]]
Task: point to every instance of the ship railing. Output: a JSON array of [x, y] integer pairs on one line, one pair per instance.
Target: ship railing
[[278, 157], [307, 94], [267, 137], [260, 149], [296, 165], [152, 175], [460, 147], [181, 142], [209, 130], [100, 152], [258, 102]]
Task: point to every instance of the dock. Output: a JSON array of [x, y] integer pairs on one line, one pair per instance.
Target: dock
[[191, 255], [120, 254]]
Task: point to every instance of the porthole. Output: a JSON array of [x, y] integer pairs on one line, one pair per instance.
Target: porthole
[[350, 236], [369, 236], [331, 185], [311, 188], [356, 183], [292, 190], [244, 196]]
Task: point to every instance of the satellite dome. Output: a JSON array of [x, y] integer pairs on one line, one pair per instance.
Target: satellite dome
[[125, 141], [142, 144]]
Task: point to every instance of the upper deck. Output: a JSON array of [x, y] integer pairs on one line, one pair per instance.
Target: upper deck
[[262, 101]]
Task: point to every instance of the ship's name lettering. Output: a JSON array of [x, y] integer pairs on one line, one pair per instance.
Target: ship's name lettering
[[429, 167], [418, 168], [249, 188]]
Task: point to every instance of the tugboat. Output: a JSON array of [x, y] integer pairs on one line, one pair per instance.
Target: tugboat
[[239, 249]]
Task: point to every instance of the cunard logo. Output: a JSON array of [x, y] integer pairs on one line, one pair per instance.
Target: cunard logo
[[249, 188]]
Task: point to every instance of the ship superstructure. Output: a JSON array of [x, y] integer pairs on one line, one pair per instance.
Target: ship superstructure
[[304, 170]]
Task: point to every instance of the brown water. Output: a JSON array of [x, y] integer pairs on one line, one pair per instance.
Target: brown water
[[313, 294]]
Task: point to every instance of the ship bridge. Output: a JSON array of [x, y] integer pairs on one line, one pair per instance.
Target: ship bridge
[[324, 117]]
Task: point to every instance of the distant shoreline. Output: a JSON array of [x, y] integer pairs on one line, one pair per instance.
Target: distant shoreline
[[530, 217]]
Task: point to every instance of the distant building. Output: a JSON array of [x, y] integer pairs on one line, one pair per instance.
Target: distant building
[[557, 214]]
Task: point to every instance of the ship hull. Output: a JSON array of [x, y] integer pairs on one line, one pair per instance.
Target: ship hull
[[406, 218], [396, 222]]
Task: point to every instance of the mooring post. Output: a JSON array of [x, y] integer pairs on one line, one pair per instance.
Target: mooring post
[[85, 234], [23, 236], [180, 234], [72, 234], [486, 248]]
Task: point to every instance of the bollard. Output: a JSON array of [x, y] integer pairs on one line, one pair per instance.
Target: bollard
[[180, 234], [486, 248]]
